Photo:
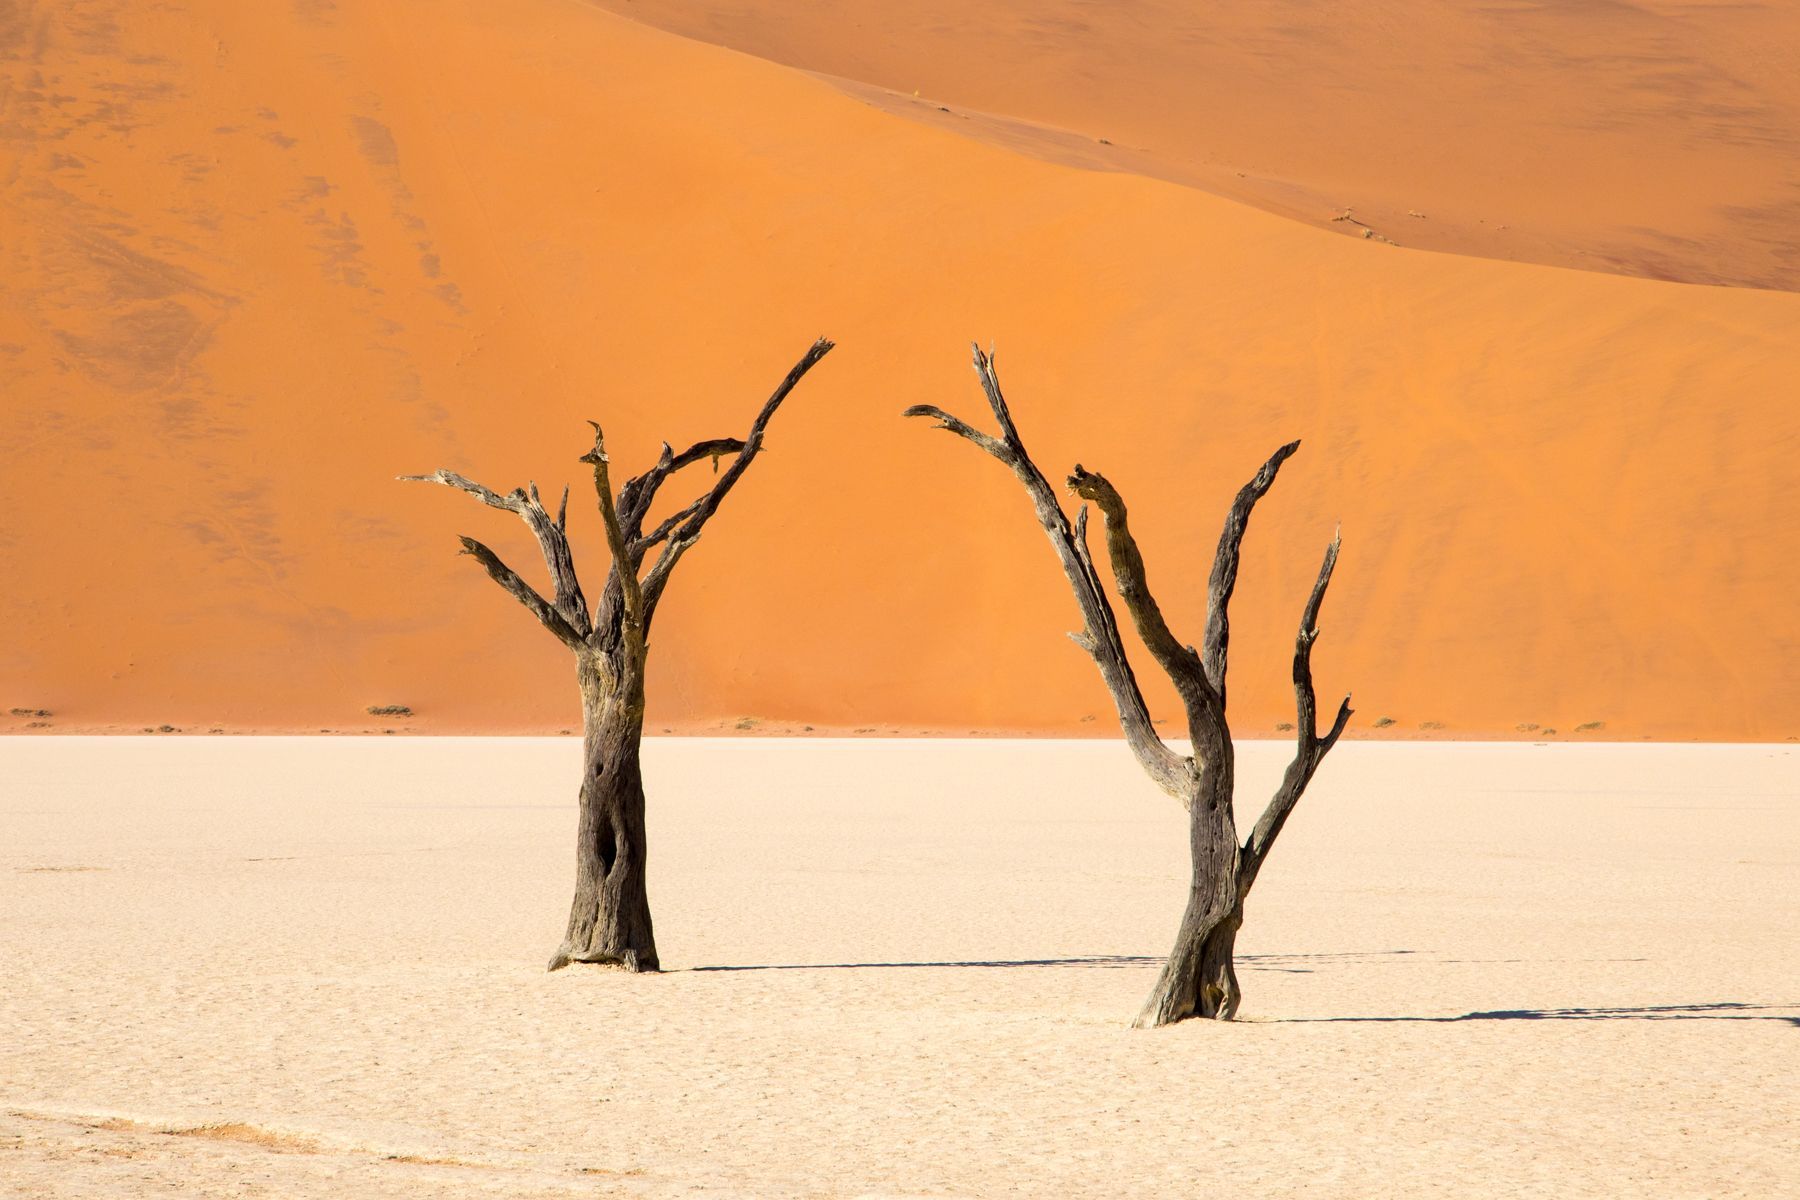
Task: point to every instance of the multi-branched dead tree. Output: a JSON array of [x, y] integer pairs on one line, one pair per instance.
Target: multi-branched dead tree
[[1199, 980], [609, 921]]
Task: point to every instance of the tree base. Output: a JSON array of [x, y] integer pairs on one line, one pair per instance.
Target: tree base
[[609, 918], [1200, 978], [609, 923], [628, 961]]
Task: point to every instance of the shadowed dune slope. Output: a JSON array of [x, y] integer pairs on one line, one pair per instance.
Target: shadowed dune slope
[[1658, 138], [258, 262]]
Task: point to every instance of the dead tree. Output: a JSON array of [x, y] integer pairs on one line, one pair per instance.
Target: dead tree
[[1199, 979], [609, 921]]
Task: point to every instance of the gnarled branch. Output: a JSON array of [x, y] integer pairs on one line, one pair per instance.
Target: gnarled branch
[[1172, 772], [1223, 581], [624, 567], [1310, 748], [552, 538], [669, 525], [681, 537], [1199, 978], [626, 600], [524, 593], [1180, 662], [963, 429], [638, 493]]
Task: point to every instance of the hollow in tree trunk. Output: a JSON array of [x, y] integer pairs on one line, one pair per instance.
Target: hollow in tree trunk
[[609, 920]]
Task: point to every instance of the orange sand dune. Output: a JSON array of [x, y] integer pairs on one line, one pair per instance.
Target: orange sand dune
[[258, 261], [1653, 137]]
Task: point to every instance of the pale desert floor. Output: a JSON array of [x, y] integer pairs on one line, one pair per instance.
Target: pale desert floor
[[245, 966]]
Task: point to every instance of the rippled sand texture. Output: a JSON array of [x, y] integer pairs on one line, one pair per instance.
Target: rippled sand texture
[[260, 259], [314, 968]]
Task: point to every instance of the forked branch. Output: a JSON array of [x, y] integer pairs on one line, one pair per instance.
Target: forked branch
[[638, 493], [625, 602], [624, 566], [1179, 661], [524, 593], [552, 538], [1223, 580], [1199, 979], [682, 535], [1172, 772], [1310, 748]]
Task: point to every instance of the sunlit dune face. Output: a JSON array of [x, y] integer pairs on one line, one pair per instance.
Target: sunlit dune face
[[1658, 139], [260, 261]]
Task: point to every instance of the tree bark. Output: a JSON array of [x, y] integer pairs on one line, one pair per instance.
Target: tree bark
[[609, 920], [1199, 979]]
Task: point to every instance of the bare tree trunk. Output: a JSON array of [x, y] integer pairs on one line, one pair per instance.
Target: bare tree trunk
[[1198, 979], [609, 920]]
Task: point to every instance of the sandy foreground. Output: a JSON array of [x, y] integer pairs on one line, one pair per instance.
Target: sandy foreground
[[314, 968]]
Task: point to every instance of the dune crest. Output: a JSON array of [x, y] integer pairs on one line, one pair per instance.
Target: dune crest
[[1658, 138]]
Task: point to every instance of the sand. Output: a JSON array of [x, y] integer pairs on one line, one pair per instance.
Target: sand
[[258, 260], [314, 968], [1656, 138]]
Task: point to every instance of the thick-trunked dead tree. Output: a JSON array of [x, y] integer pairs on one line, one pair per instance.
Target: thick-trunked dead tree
[[1199, 979], [609, 921]]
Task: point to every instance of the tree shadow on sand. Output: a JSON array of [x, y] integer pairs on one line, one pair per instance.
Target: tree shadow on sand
[[1089, 960], [1722, 1011], [1301, 964], [1291, 963]]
